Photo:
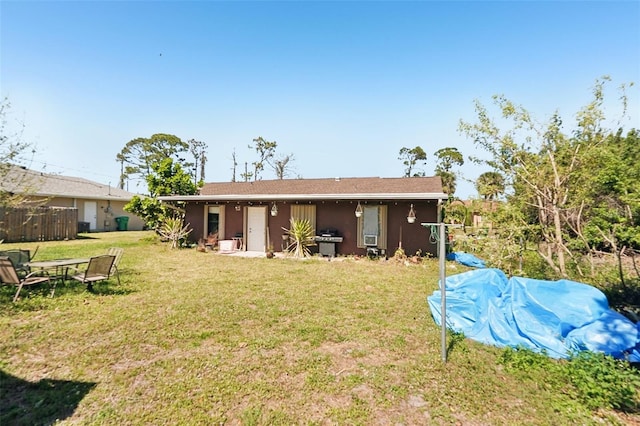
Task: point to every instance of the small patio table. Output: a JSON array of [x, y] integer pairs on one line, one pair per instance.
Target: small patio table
[[60, 265]]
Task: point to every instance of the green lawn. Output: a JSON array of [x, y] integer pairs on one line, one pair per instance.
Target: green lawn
[[201, 338]]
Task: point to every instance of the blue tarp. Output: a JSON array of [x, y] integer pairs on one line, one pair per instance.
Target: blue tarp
[[558, 317], [466, 259]]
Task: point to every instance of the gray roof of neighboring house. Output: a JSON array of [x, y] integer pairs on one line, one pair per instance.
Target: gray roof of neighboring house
[[366, 188], [20, 180]]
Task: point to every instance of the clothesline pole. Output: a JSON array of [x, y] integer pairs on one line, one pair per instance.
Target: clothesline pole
[[443, 305], [443, 277]]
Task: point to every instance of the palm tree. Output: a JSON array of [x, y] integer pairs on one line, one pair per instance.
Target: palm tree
[[490, 185]]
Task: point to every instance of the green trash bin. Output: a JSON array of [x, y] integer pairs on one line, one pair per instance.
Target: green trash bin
[[122, 222]]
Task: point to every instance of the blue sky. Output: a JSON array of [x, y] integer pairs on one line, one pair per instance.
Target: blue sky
[[343, 86]]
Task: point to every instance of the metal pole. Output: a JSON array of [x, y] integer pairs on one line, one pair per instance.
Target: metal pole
[[443, 298]]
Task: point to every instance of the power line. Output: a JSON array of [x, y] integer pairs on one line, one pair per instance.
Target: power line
[[65, 168]]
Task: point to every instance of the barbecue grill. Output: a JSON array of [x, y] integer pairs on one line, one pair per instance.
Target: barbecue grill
[[327, 241]]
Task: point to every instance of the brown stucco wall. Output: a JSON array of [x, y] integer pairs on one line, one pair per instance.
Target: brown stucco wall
[[331, 214]]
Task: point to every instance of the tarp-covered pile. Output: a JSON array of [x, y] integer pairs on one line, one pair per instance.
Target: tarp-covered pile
[[558, 317], [466, 259]]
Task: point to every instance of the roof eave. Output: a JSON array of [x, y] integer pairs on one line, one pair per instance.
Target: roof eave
[[82, 197], [299, 197]]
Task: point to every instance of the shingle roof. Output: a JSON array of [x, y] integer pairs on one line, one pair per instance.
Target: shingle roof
[[335, 188], [19, 180]]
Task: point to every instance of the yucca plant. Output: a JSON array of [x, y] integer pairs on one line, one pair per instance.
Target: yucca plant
[[173, 230], [301, 236]]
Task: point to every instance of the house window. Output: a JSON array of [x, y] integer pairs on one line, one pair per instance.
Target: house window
[[305, 212], [373, 223]]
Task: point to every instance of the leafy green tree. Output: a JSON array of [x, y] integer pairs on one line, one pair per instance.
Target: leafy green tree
[[150, 210], [609, 218], [166, 178], [490, 185], [447, 159], [266, 151], [411, 158], [169, 178], [138, 155]]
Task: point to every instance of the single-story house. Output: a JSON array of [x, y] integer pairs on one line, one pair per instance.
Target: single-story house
[[98, 205], [363, 213]]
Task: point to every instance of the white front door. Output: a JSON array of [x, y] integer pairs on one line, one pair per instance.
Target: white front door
[[91, 214], [256, 228]]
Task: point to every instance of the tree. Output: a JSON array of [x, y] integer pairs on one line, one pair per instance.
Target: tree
[[247, 175], [411, 158], [12, 147], [235, 165], [166, 178], [138, 155], [266, 151], [282, 165], [447, 158], [490, 185], [198, 150], [169, 178], [544, 168], [609, 219]]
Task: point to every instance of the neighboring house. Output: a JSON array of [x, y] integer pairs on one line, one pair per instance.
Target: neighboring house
[[98, 205], [256, 212]]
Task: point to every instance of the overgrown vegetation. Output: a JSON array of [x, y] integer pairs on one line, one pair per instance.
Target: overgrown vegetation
[[596, 381], [570, 195], [217, 339]]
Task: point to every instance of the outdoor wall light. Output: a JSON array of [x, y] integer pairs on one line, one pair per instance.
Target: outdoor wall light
[[411, 217], [274, 209], [358, 210], [237, 207]]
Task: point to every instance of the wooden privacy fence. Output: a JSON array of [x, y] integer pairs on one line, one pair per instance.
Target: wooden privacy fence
[[38, 224]]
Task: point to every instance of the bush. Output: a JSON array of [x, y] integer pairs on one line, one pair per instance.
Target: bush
[[603, 382], [596, 380]]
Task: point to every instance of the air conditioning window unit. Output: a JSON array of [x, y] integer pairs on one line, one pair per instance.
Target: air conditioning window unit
[[370, 240]]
